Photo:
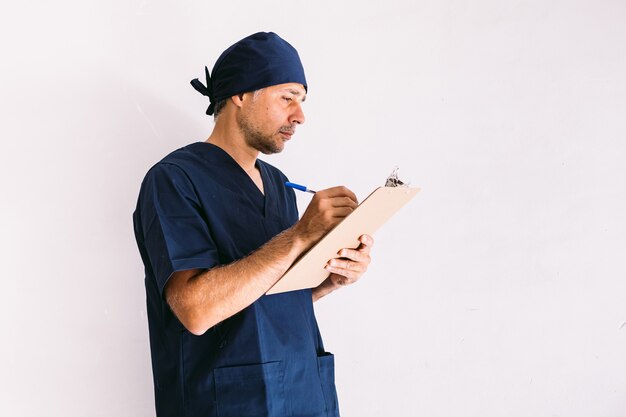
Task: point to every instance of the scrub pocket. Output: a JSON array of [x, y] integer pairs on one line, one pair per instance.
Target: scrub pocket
[[250, 391], [326, 366]]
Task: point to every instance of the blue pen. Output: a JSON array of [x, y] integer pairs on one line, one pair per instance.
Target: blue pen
[[299, 187]]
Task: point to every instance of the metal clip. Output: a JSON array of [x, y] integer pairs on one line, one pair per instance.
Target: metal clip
[[393, 180]]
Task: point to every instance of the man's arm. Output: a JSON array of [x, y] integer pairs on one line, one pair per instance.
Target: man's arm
[[201, 299]]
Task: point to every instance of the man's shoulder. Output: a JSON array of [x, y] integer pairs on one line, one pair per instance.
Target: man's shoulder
[[187, 155], [180, 165], [182, 160]]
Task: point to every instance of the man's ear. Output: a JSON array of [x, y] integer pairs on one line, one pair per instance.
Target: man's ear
[[238, 100]]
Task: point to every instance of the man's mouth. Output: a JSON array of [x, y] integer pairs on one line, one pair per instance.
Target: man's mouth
[[287, 133]]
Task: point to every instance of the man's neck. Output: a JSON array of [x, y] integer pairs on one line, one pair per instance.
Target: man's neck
[[233, 143]]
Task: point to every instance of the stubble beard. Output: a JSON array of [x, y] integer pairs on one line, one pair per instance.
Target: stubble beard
[[258, 140]]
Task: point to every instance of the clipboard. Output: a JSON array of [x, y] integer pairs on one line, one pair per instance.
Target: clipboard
[[308, 271]]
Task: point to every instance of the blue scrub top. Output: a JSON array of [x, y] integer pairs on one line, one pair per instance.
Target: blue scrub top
[[198, 208]]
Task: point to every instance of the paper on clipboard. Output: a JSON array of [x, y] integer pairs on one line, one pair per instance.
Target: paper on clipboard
[[367, 218]]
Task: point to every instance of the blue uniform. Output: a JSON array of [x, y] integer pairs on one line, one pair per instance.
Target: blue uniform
[[198, 208]]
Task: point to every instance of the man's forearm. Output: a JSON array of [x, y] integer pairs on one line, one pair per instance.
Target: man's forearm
[[211, 296]]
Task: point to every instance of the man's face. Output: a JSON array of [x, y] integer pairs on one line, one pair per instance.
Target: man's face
[[268, 118]]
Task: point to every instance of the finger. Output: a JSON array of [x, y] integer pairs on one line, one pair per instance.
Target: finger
[[340, 191], [350, 275], [341, 211], [355, 255], [347, 265], [367, 242], [343, 202]]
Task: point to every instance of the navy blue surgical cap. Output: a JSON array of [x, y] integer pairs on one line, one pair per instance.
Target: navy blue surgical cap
[[258, 61]]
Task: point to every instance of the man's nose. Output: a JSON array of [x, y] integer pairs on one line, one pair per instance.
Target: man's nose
[[298, 115]]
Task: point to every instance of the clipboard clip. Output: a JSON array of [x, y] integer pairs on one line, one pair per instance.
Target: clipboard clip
[[393, 180]]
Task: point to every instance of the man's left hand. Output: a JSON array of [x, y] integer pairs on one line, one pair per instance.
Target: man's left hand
[[352, 264]]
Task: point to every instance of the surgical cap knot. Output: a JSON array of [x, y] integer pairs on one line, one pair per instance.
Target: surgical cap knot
[[205, 90]]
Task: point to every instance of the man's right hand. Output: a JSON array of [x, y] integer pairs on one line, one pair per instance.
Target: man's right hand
[[326, 209]]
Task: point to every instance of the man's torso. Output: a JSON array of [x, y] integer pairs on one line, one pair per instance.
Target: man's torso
[[199, 209]]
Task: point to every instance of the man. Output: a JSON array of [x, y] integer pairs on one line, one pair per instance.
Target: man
[[216, 228]]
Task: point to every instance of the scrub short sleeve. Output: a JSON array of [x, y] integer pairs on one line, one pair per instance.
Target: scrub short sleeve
[[176, 236]]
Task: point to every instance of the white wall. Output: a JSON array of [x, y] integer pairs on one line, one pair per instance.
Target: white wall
[[499, 291]]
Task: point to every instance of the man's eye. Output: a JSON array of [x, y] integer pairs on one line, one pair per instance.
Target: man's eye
[[287, 98]]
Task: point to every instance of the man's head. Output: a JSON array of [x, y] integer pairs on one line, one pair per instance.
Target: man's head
[[261, 81], [257, 61]]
